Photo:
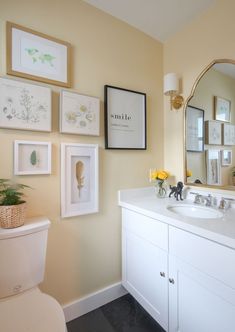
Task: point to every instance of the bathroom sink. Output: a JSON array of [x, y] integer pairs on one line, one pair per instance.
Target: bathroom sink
[[195, 211]]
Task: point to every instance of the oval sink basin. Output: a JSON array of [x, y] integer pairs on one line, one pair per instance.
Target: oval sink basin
[[194, 211]]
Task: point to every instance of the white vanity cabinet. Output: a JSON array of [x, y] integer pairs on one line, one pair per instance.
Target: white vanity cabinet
[[202, 287], [186, 282], [145, 263]]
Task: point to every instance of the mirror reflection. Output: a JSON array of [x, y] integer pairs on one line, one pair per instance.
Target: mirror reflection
[[210, 128]]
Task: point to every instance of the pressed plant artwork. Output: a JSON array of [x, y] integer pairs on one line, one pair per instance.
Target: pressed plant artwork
[[79, 114], [24, 106], [31, 157]]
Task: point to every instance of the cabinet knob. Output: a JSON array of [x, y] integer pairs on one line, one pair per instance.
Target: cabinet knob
[[171, 280], [162, 274]]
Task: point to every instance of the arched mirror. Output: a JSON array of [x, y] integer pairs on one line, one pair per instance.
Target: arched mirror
[[210, 128]]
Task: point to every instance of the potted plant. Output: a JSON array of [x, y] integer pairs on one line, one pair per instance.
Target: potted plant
[[12, 206], [233, 176]]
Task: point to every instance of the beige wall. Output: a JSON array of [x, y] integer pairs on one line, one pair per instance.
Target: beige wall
[[209, 37], [84, 252]]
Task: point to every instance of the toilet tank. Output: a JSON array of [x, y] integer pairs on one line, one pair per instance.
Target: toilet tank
[[22, 256]]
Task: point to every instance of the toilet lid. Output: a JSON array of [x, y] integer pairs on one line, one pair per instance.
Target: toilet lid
[[31, 311]]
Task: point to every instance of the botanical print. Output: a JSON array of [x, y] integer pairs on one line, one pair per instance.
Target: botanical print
[[79, 114], [24, 106]]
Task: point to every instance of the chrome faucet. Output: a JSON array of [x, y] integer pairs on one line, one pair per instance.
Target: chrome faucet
[[209, 200]]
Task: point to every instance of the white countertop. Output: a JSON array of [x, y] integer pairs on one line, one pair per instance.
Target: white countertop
[[144, 201]]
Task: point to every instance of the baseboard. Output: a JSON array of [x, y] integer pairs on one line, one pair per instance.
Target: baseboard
[[93, 301]]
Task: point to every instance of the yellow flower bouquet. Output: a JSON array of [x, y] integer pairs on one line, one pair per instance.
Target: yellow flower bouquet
[[159, 177]]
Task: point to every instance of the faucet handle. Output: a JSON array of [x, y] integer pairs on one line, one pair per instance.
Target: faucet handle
[[198, 197], [225, 203]]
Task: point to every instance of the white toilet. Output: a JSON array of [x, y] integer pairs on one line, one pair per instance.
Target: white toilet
[[23, 307]]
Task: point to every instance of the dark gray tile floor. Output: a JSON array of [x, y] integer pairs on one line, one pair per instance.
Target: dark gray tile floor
[[121, 315]]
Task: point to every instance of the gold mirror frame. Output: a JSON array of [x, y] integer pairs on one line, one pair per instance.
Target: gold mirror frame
[[184, 110]]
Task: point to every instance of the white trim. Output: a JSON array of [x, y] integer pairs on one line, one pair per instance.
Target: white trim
[[93, 301]]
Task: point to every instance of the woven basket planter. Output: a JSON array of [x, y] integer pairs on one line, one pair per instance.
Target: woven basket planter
[[12, 216]]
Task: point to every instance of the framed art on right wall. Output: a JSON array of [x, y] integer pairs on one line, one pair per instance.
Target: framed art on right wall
[[213, 167], [222, 109]]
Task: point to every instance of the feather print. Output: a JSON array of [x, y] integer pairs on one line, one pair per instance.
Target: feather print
[[79, 175]]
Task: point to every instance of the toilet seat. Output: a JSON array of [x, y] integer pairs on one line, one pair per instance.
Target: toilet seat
[[31, 311]]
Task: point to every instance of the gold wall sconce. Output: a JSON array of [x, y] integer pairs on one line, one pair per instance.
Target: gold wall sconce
[[171, 88]]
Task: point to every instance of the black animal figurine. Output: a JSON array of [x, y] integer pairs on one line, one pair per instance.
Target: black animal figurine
[[177, 191]]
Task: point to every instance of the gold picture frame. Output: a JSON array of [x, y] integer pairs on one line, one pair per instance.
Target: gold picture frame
[[37, 56]]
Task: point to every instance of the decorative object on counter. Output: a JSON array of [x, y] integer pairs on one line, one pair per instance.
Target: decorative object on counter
[[12, 206], [125, 118], [159, 178], [24, 106], [222, 108], [177, 191], [79, 114], [79, 179], [36, 56], [189, 173], [31, 157]]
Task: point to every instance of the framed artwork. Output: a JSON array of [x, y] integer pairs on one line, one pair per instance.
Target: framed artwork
[[33, 55], [32, 157], [125, 119], [194, 129], [222, 109], [213, 132], [79, 114], [79, 179], [228, 134], [213, 167], [24, 106], [226, 157]]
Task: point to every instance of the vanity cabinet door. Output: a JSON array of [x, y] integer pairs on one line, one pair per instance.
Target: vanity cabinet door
[[144, 275], [198, 302]]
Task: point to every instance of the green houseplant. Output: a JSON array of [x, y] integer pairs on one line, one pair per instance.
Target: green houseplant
[[12, 205], [233, 176]]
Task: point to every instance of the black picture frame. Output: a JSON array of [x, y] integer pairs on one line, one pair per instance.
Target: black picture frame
[[125, 119], [195, 131]]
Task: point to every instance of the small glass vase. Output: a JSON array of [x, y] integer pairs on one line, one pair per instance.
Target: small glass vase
[[161, 189]]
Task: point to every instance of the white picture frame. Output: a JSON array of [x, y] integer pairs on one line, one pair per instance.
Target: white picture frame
[[24, 106], [32, 157], [37, 56], [228, 134], [79, 179], [213, 132], [222, 109], [79, 114], [226, 157], [213, 167]]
